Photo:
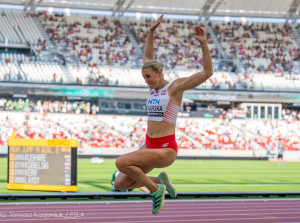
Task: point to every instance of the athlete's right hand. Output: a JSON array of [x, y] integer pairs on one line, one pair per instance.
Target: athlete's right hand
[[156, 24]]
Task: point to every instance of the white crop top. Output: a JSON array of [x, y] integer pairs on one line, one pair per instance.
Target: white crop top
[[160, 106]]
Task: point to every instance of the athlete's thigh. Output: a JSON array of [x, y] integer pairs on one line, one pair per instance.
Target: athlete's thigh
[[148, 158], [126, 180]]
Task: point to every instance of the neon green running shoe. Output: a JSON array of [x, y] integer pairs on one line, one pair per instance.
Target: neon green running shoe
[[158, 198], [163, 176]]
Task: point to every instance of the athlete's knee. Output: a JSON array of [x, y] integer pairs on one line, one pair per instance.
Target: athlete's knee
[[123, 183], [121, 163], [118, 185]]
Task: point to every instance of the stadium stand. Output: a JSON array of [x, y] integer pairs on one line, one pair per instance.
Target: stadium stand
[[98, 51], [17, 27], [89, 39], [28, 119], [44, 72], [272, 82], [262, 47], [174, 43]]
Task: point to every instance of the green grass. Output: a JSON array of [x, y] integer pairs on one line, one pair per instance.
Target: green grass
[[192, 176]]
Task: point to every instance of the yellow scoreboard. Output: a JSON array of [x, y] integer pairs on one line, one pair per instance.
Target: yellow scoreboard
[[42, 164]]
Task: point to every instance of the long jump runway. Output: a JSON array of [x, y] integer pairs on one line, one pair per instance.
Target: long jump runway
[[222, 211]]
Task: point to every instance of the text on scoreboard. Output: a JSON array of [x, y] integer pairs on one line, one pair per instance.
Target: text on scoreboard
[[41, 164]]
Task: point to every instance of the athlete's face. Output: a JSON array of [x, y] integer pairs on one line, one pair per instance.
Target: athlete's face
[[151, 77]]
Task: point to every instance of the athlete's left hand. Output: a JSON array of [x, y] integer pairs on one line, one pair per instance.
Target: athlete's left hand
[[200, 34]]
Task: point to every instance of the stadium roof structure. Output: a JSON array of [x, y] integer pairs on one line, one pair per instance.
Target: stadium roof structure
[[288, 9]]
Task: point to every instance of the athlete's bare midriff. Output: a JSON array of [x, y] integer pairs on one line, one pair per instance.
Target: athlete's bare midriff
[[160, 129]]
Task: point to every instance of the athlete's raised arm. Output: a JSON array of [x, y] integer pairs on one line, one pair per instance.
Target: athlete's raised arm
[[148, 53], [186, 83]]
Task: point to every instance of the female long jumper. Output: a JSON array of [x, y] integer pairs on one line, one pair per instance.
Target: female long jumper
[[163, 104]]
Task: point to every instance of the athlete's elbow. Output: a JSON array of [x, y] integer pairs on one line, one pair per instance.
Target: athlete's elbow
[[209, 73]]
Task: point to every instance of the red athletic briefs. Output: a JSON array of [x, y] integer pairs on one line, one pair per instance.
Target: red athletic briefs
[[162, 142]]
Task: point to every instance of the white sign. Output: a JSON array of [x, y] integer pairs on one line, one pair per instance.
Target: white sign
[[217, 97]]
